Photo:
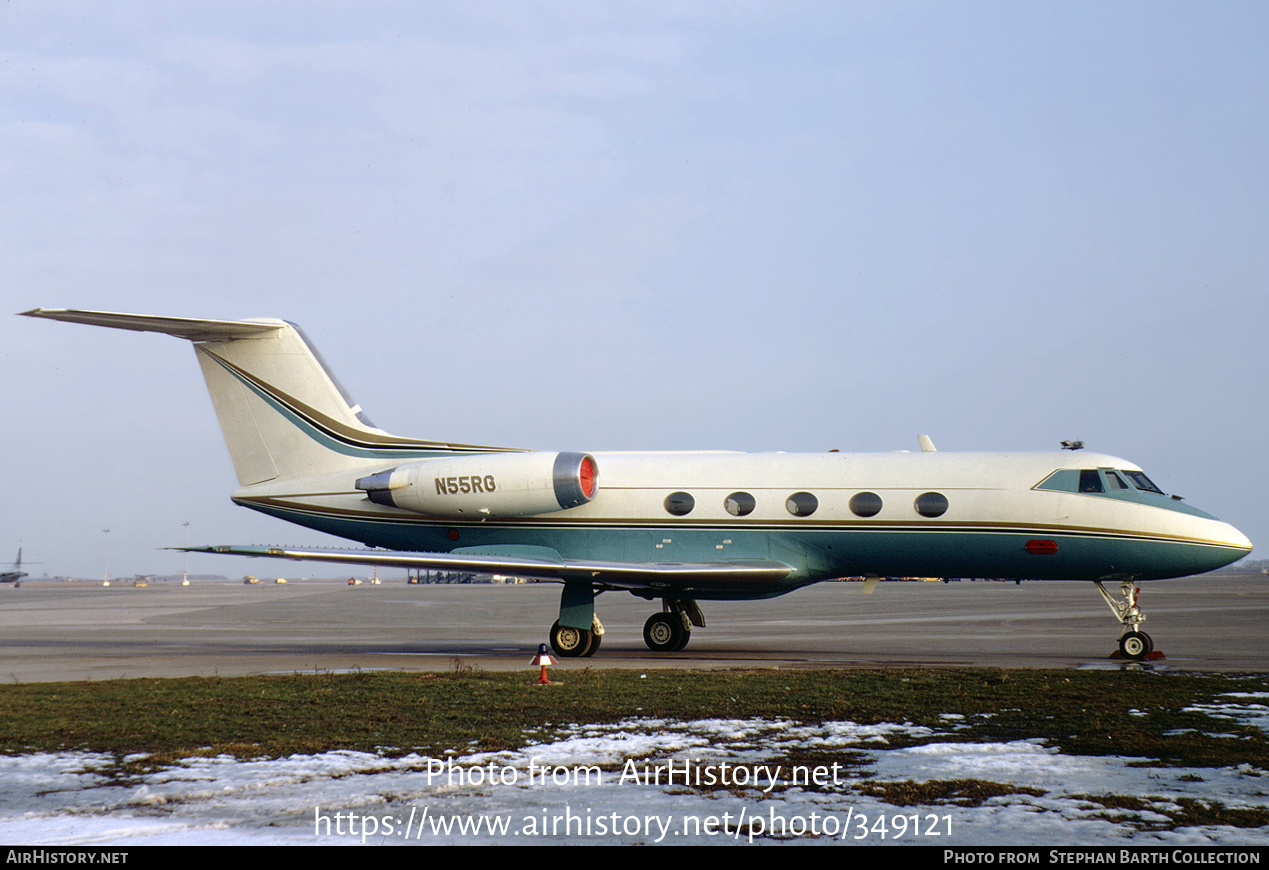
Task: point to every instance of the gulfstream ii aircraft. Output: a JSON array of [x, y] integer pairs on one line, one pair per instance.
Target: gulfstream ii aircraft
[[679, 527]]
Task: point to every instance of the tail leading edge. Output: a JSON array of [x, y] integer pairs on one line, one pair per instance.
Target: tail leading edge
[[282, 413]]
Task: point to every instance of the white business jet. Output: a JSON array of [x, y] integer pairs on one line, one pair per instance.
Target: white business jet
[[679, 527]]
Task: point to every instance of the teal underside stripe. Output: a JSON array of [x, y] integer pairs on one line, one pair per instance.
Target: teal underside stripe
[[815, 553], [292, 514]]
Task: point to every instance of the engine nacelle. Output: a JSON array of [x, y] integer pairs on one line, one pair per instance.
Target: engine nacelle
[[487, 484]]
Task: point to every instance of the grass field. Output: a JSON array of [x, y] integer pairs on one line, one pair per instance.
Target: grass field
[[1146, 719], [1170, 718]]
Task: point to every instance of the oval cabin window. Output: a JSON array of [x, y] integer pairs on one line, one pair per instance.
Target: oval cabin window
[[865, 504], [802, 504], [679, 503], [740, 504], [931, 504]]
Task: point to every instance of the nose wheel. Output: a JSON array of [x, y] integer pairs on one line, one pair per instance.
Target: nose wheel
[[1134, 644]]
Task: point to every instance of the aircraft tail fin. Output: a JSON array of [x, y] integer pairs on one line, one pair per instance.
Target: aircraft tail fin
[[282, 412]]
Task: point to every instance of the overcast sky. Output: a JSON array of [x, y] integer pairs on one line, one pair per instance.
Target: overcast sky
[[594, 226]]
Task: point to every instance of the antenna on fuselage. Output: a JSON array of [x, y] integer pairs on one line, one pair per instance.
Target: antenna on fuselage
[[927, 446], [1072, 445]]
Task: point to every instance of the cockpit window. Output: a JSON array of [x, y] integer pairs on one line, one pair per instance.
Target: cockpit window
[[1142, 482], [1094, 481], [1113, 484]]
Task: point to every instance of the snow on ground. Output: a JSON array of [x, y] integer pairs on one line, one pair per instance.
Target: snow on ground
[[347, 798], [1242, 710]]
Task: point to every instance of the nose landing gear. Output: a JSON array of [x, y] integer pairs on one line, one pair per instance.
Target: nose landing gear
[[1134, 644]]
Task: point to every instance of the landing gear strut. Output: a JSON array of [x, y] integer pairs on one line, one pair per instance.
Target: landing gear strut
[[1133, 643], [670, 630]]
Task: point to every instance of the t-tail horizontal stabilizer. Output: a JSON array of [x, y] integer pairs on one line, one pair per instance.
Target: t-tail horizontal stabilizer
[[284, 415], [191, 328]]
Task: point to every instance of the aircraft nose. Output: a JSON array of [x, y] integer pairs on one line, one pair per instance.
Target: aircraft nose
[[1235, 538], [1231, 545], [1224, 544]]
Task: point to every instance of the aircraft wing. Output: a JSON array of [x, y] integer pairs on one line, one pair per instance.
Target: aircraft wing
[[544, 564]]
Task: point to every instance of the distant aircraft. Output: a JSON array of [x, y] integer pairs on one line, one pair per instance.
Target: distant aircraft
[[15, 574], [679, 527]]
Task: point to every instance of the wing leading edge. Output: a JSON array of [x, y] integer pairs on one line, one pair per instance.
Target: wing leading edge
[[544, 564]]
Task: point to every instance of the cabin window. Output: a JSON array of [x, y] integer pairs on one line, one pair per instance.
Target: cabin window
[[802, 504], [931, 504], [740, 504], [679, 503], [865, 504]]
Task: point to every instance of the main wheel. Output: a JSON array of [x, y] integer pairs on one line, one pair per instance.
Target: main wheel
[[663, 632], [687, 635], [1136, 645], [569, 642]]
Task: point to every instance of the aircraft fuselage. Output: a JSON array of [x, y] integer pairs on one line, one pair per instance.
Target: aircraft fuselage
[[925, 514]]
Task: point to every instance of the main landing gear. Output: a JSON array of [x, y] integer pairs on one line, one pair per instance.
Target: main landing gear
[[571, 642], [1133, 643], [670, 630]]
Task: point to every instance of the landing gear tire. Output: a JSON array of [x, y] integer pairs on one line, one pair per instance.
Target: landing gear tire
[[663, 632], [1136, 645], [571, 643]]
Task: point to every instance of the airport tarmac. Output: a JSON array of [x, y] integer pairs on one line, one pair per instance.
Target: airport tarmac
[[54, 630]]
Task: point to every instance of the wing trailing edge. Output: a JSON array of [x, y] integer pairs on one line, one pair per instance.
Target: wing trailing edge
[[660, 576]]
